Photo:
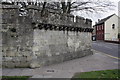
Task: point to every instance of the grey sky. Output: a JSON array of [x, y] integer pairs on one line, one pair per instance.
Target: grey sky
[[102, 15], [109, 12]]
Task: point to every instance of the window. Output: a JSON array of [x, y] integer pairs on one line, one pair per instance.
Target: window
[[113, 26], [100, 27]]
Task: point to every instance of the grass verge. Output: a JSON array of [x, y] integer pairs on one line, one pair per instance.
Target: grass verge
[[15, 77], [99, 74]]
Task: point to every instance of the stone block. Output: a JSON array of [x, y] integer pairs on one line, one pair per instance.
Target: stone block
[[24, 64], [10, 54], [22, 59], [35, 64], [27, 53], [7, 58], [8, 64], [4, 64], [17, 64], [29, 58], [16, 59], [18, 54]]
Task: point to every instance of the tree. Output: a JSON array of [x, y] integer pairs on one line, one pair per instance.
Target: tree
[[43, 8], [69, 6]]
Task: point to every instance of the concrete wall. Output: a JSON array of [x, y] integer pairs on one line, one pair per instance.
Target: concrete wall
[[111, 34], [26, 44]]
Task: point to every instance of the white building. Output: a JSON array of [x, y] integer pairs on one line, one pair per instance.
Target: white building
[[111, 28]]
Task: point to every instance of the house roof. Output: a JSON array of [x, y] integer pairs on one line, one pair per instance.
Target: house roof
[[105, 19]]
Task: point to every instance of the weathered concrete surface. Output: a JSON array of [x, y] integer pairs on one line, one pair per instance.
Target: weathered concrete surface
[[95, 62]]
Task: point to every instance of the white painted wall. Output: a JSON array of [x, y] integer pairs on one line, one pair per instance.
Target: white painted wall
[[118, 24], [111, 34]]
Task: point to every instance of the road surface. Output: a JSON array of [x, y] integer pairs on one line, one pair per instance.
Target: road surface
[[108, 48]]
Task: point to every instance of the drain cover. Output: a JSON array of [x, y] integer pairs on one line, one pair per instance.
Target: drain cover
[[50, 70]]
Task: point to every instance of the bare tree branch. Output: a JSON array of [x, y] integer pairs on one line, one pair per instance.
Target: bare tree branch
[[69, 6]]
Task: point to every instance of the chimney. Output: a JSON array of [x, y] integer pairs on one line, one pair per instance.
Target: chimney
[[98, 20], [95, 22]]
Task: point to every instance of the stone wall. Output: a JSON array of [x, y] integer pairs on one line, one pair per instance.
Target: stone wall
[[33, 40], [0, 41], [17, 38], [58, 46]]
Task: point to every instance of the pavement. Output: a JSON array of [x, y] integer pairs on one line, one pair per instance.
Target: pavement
[[97, 61]]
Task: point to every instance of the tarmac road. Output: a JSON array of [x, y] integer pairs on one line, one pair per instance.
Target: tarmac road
[[111, 49]]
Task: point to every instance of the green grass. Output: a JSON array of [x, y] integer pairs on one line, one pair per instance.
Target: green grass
[[15, 77], [99, 74]]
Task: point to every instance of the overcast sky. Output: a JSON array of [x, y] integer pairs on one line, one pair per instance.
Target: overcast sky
[[116, 8], [103, 15]]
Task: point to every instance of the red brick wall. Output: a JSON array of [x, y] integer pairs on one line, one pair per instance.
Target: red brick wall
[[100, 32]]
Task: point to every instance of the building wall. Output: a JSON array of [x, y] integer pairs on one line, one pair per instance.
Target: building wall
[[119, 28], [100, 32], [119, 19], [94, 31], [111, 34], [119, 8]]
